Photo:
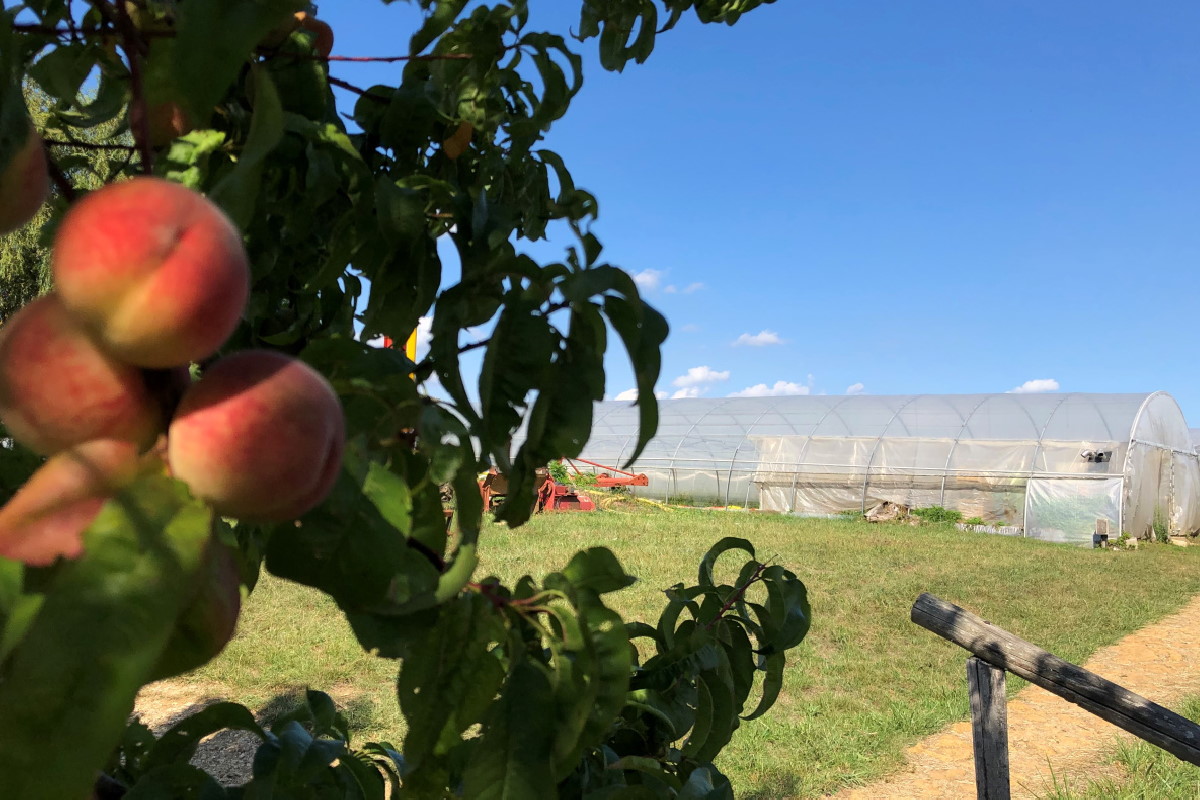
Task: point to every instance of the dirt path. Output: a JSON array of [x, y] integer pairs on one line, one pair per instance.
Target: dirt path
[[1050, 739]]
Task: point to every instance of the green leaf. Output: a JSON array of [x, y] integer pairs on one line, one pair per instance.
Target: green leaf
[[450, 677], [787, 604], [213, 40], [512, 759], [772, 684], [598, 570], [436, 24], [701, 786], [20, 616], [178, 782], [238, 190], [103, 625], [724, 718], [346, 548], [642, 330], [62, 71], [391, 496], [714, 552]]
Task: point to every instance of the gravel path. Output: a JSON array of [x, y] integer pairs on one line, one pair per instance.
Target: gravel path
[[1050, 739]]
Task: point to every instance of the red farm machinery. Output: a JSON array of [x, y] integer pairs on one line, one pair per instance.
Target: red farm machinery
[[555, 496]]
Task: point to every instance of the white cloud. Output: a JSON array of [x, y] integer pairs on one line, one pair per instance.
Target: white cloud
[[648, 279], [689, 328], [761, 339], [780, 388], [1036, 385], [855, 388], [689, 391], [424, 336], [691, 287], [631, 396], [700, 375]]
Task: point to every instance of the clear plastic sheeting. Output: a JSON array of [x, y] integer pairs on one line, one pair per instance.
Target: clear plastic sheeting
[[974, 453], [1065, 510]]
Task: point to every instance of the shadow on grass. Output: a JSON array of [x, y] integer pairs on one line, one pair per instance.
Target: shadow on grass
[[773, 786]]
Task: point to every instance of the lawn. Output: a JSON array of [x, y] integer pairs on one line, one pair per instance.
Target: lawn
[[864, 685], [1145, 772]]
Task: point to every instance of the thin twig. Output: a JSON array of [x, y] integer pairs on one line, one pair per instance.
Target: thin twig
[[49, 30], [140, 113], [358, 91], [393, 59], [474, 346], [71, 22], [44, 30], [90, 145], [61, 180], [736, 596]]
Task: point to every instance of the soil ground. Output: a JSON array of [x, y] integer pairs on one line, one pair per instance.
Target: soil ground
[[1053, 742]]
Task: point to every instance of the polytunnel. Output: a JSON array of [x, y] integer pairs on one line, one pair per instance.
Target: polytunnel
[[1058, 466]]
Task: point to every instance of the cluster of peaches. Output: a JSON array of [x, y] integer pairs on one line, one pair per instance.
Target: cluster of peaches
[[149, 278]]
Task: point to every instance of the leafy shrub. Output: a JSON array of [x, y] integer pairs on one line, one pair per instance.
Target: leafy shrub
[[937, 514], [1162, 531], [974, 521]]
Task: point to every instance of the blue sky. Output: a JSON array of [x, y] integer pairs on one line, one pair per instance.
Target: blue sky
[[893, 198]]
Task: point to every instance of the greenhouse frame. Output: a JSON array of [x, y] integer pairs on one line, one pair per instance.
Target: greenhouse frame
[[1060, 467]]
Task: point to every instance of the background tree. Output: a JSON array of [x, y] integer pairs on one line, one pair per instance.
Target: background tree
[[233, 99], [24, 253]]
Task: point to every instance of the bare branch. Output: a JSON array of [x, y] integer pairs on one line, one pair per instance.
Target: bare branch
[[61, 180], [89, 145]]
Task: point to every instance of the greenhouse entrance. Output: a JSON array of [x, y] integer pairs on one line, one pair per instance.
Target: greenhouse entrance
[[1072, 510]]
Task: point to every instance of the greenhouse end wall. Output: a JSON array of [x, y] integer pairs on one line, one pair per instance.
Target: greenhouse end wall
[[1059, 465]]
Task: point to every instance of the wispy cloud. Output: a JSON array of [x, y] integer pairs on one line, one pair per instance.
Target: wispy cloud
[[689, 289], [698, 376], [778, 389], [1036, 385], [648, 279], [855, 388], [631, 395], [690, 328], [760, 339], [424, 336]]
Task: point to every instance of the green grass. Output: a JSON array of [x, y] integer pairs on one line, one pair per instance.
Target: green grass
[[1147, 773], [864, 685]]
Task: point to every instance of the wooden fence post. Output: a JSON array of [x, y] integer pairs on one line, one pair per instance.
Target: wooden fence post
[[1160, 726], [989, 729]]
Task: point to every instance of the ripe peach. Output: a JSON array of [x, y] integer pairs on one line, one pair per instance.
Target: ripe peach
[[260, 437], [58, 388], [155, 270], [47, 516], [24, 183], [165, 121], [322, 33]]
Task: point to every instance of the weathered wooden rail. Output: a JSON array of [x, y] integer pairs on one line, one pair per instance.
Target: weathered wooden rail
[[995, 651]]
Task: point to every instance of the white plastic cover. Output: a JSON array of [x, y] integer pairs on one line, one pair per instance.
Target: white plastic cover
[[974, 453]]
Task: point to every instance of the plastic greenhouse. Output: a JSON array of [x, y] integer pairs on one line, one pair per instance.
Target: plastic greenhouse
[[1058, 466]]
